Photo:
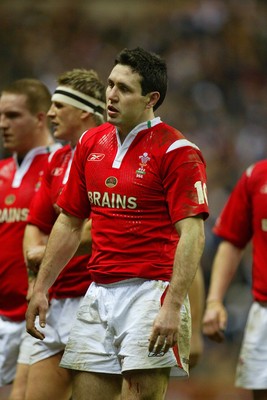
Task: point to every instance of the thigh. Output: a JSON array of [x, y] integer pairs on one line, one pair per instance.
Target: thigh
[[251, 370], [96, 386], [90, 346], [145, 384], [20, 383], [26, 349], [46, 380], [5, 392], [58, 324], [10, 340], [134, 320]]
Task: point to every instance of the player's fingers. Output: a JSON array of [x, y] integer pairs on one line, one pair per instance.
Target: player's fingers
[[223, 321], [217, 336], [31, 328], [42, 318], [162, 343]]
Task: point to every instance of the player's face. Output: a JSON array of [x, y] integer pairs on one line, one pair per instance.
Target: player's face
[[18, 126], [66, 121], [126, 106]]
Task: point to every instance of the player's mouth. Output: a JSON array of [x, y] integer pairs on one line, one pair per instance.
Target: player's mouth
[[54, 126], [7, 137], [112, 111]]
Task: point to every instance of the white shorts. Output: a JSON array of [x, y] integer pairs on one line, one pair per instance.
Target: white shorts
[[10, 339], [114, 322], [26, 347], [252, 364], [60, 316]]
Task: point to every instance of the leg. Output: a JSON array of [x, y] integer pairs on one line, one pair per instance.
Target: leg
[[145, 384], [260, 394], [92, 386], [5, 392], [20, 383], [47, 380]]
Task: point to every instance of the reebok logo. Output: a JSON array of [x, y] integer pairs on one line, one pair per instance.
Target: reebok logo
[[95, 157]]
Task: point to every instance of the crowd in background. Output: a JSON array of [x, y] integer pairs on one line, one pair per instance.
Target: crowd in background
[[217, 61]]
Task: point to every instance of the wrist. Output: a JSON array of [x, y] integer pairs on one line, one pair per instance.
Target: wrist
[[212, 301]]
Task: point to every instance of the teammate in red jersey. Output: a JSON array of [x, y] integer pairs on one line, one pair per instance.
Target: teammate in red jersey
[[243, 219], [144, 185], [26, 135], [77, 105]]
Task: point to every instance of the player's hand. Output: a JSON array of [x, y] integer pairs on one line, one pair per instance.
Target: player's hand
[[38, 305], [214, 321], [164, 331], [34, 258]]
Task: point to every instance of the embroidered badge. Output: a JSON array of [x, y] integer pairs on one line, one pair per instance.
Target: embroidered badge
[[111, 181], [140, 172], [10, 199]]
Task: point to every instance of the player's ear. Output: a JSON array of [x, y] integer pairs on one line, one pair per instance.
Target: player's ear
[[153, 98], [85, 114]]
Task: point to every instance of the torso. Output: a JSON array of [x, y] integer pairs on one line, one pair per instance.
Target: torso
[[136, 193]]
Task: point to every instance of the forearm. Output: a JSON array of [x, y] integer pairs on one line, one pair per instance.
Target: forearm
[[224, 267], [34, 243], [62, 244], [85, 245], [187, 259]]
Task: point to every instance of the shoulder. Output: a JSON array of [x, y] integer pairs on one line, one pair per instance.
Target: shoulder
[[175, 143], [254, 177], [95, 133], [256, 168], [58, 153]]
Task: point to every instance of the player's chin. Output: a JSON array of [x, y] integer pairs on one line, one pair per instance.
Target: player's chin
[[59, 134], [112, 118], [11, 147]]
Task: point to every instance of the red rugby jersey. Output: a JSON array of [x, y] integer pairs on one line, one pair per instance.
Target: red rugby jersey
[[244, 218], [135, 193], [74, 279], [18, 184]]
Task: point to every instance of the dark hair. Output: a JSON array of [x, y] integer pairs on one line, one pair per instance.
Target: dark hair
[[150, 66], [38, 97]]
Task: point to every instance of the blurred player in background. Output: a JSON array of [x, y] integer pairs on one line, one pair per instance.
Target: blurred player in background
[[243, 219], [27, 137], [77, 105]]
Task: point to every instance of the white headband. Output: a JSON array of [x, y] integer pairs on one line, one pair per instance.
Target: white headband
[[80, 100]]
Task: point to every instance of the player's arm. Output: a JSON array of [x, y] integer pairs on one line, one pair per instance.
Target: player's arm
[[85, 246], [62, 244], [197, 301], [226, 261], [34, 243], [35, 240], [187, 260]]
